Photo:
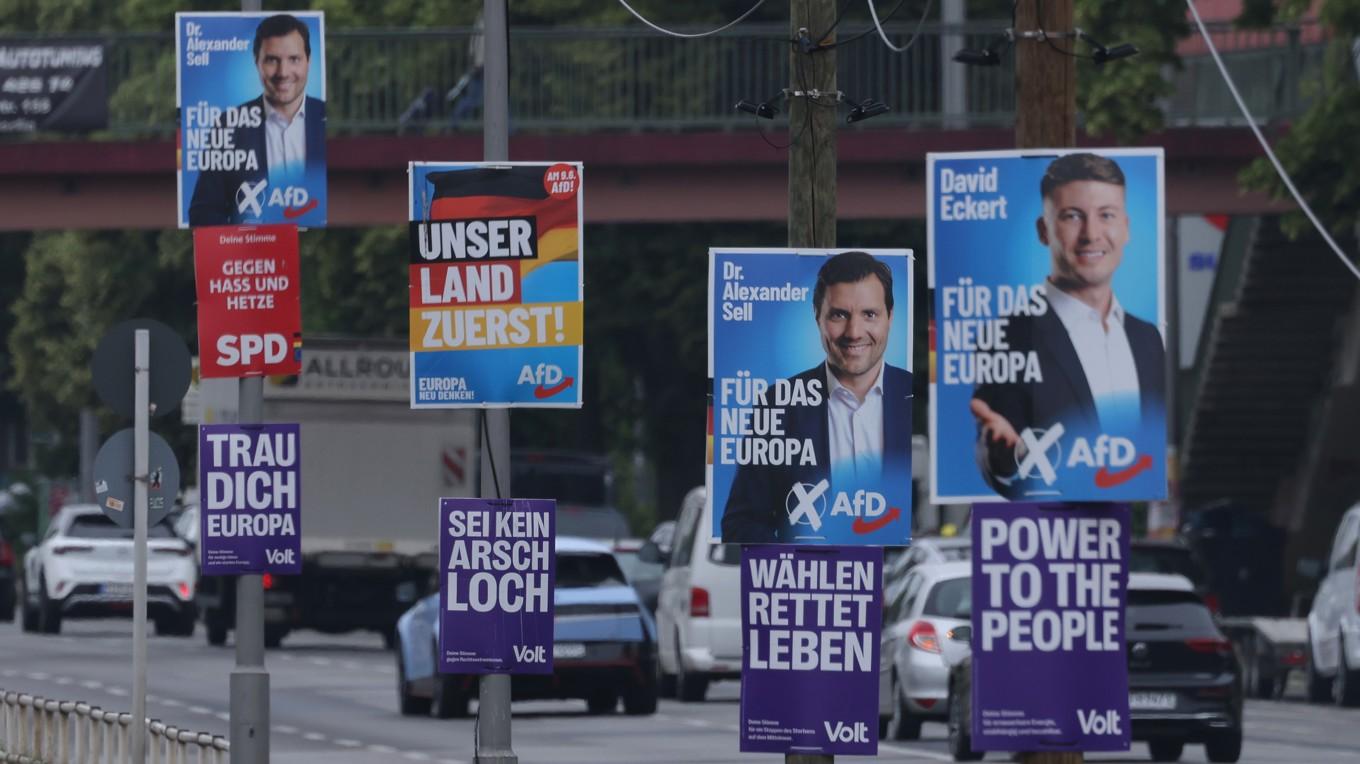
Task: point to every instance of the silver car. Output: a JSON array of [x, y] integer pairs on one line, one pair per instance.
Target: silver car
[[913, 682], [1334, 621]]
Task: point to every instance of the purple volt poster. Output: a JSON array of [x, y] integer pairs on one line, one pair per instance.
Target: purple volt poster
[[1049, 669], [250, 499], [496, 591], [810, 619]]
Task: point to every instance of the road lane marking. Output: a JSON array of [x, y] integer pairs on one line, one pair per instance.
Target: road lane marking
[[116, 691], [91, 684], [923, 753], [346, 742], [200, 710], [171, 702], [315, 737], [416, 756], [376, 748], [38, 675], [223, 715], [284, 729]]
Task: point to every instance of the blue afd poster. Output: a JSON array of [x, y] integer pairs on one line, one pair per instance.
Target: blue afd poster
[[251, 91], [809, 431], [1047, 360]]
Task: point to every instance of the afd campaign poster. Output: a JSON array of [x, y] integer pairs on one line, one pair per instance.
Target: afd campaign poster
[[1049, 667], [496, 284], [809, 426], [1047, 337], [496, 588], [810, 621], [249, 313], [249, 518], [251, 92]]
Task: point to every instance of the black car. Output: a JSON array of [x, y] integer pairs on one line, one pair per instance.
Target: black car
[[1174, 557], [1185, 684], [7, 579]]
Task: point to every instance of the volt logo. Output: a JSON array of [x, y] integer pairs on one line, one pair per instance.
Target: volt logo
[[547, 377], [845, 733], [279, 557], [1094, 723], [527, 654]]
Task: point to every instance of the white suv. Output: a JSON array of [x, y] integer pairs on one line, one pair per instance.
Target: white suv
[[698, 613], [1334, 621], [83, 569]]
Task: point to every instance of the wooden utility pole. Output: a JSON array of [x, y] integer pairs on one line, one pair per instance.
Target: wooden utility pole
[[812, 155], [1045, 117]]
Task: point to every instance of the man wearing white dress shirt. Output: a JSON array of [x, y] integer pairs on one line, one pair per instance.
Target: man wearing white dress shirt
[[284, 127], [860, 424], [1102, 369]]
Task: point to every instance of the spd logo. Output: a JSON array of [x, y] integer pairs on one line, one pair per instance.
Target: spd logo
[[547, 379]]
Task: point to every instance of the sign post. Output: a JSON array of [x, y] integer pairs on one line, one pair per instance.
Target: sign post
[[141, 397]]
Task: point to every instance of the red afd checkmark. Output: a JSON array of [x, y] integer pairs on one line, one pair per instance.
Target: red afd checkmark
[[297, 212], [548, 392], [1107, 479], [862, 526]]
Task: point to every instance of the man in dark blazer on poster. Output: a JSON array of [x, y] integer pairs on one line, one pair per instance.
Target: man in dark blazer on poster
[[284, 127], [862, 423], [1102, 367]]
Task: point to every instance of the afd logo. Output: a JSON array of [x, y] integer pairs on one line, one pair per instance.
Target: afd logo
[[1039, 453], [845, 733], [547, 378], [280, 557], [1095, 723], [805, 504], [251, 198], [527, 654]]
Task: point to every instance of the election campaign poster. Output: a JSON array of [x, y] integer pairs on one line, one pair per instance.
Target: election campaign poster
[[249, 315], [251, 92], [1049, 665], [496, 592], [810, 619], [809, 427], [250, 493], [47, 85], [1047, 359], [496, 284]]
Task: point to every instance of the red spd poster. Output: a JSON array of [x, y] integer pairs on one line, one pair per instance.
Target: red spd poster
[[249, 318]]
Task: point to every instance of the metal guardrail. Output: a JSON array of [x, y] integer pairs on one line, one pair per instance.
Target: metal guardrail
[[37, 730], [626, 78]]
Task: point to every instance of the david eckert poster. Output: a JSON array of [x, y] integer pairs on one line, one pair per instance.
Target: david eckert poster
[[496, 284], [1047, 357], [809, 431], [251, 92]]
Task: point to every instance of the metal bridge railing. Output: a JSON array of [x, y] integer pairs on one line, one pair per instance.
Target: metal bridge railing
[[624, 78], [37, 730]]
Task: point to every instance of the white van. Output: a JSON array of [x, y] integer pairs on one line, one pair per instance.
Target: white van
[[1334, 621], [698, 614]]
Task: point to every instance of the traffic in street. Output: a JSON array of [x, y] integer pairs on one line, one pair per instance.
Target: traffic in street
[[333, 700]]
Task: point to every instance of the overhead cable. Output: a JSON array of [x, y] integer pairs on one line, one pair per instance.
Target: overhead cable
[[1279, 168], [688, 35], [914, 35]]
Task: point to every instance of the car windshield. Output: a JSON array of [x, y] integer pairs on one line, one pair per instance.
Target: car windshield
[[1165, 559], [587, 571], [1158, 614], [725, 554], [955, 553], [591, 522], [636, 569], [951, 598], [101, 527]]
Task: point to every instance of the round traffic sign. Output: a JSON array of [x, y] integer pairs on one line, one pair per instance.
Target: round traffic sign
[[113, 478], [113, 367]]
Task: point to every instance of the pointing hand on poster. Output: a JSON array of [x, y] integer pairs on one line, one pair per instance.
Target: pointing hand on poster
[[995, 428]]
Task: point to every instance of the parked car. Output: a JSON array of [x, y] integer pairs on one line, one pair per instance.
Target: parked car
[[83, 569], [604, 645], [913, 681], [898, 561], [1185, 683], [1151, 556], [698, 614], [644, 573], [1334, 621], [8, 594]]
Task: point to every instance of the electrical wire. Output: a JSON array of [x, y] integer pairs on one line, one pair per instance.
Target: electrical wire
[[1044, 35], [1279, 168], [490, 454], [866, 32], [834, 23], [914, 35], [686, 35]]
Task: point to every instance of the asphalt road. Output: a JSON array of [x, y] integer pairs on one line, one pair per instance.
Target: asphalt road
[[333, 701]]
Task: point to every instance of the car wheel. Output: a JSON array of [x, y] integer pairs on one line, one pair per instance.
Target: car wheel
[[7, 605], [1224, 746], [904, 725], [602, 702], [1166, 750], [28, 615], [448, 701], [389, 637], [960, 734], [665, 683], [690, 686], [408, 704], [1319, 686], [216, 629], [640, 700], [1346, 685], [49, 612], [273, 635]]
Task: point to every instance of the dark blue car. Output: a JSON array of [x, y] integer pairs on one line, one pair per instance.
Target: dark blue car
[[604, 645]]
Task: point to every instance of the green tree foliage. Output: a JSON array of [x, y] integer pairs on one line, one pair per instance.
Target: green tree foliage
[[1119, 99], [1318, 151]]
